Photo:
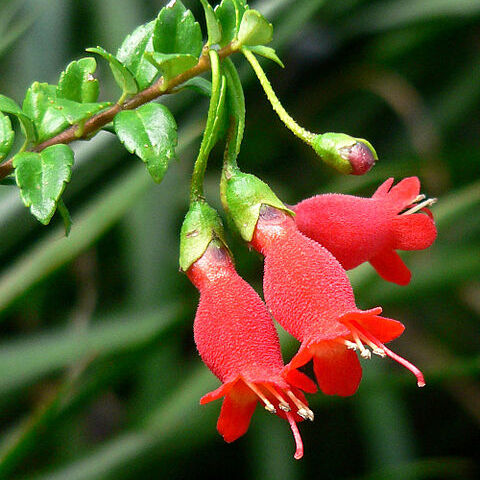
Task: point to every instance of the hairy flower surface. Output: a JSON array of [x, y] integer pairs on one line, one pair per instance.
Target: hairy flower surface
[[237, 340], [309, 294], [356, 229]]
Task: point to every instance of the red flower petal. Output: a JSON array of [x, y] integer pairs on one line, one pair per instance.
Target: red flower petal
[[413, 232], [404, 193], [237, 410], [390, 267], [337, 369], [384, 329]]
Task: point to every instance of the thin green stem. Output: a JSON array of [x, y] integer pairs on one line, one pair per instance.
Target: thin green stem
[[236, 102], [196, 190], [291, 124]]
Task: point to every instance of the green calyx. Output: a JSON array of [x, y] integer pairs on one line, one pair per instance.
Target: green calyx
[[335, 149], [201, 225], [243, 195]]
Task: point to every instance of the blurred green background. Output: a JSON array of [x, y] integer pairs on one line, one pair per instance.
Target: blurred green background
[[99, 378]]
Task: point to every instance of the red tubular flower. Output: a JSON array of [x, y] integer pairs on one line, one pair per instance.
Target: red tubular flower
[[356, 230], [237, 340], [309, 294]]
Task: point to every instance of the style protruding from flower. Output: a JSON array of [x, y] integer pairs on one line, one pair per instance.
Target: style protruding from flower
[[356, 229], [309, 294], [237, 340]]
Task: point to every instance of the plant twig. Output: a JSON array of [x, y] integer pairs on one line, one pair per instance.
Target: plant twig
[[95, 123]]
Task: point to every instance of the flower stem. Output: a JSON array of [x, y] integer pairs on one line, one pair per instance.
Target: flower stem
[[236, 103], [291, 124], [214, 112]]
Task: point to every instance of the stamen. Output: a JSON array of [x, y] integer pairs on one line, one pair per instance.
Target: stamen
[[364, 352], [282, 404], [402, 361], [419, 198], [350, 345], [296, 435], [376, 350], [427, 203], [303, 410], [268, 406]]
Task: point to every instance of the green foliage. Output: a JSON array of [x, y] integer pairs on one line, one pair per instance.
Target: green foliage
[[122, 75], [151, 133], [176, 31], [7, 105], [51, 114], [6, 136], [171, 64], [254, 29], [199, 85], [41, 178], [131, 54], [77, 82], [266, 52], [214, 29], [229, 14]]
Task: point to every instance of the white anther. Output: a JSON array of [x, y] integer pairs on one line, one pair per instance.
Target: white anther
[[379, 351], [427, 203]]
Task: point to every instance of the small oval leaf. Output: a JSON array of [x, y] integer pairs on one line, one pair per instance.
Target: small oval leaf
[[176, 31], [171, 64], [6, 136], [255, 29], [266, 52], [131, 54], [122, 75], [151, 133], [77, 82], [41, 178], [214, 28], [7, 105], [229, 14], [50, 114]]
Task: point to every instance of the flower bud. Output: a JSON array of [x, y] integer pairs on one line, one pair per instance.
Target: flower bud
[[346, 154]]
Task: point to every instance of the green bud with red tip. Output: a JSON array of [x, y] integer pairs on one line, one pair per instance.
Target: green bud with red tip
[[243, 195], [202, 224], [346, 154]]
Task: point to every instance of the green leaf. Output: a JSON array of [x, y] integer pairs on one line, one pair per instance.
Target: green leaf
[[131, 54], [151, 133], [266, 52], [65, 214], [7, 105], [6, 136], [199, 85], [122, 75], [171, 64], [50, 114], [255, 29], [214, 28], [176, 31], [77, 82], [41, 178], [229, 13]]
